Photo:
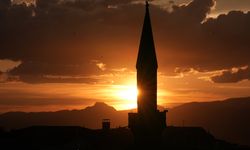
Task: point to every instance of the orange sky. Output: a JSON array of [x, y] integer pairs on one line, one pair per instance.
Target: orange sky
[[70, 55], [171, 91]]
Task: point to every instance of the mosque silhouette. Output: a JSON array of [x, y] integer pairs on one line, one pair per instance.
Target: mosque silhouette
[[148, 123]]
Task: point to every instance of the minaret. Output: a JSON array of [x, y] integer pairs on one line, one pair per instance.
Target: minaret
[[147, 69], [148, 123]]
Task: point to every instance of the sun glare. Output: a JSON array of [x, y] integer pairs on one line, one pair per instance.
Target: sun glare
[[128, 94]]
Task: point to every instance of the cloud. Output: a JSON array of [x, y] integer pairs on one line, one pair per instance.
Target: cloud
[[197, 9], [60, 38], [54, 73], [7, 65], [232, 76], [36, 79], [100, 65], [27, 2]]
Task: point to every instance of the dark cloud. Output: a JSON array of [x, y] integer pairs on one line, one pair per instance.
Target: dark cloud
[[197, 10], [54, 73], [61, 38], [56, 69], [232, 77], [5, 4], [36, 79], [205, 44], [227, 37]]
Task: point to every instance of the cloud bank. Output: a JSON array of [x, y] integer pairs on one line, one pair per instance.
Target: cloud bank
[[60, 39]]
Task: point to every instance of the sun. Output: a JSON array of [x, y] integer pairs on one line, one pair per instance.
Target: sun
[[127, 95]]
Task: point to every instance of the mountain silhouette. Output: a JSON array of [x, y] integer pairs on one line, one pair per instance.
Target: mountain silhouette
[[227, 120], [90, 117]]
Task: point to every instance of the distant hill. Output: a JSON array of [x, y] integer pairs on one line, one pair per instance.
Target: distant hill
[[90, 117], [228, 120]]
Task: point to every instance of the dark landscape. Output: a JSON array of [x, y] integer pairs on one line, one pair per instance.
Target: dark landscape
[[210, 119], [79, 138]]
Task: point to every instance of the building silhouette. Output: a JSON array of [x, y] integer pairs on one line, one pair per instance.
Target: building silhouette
[[148, 122], [105, 124]]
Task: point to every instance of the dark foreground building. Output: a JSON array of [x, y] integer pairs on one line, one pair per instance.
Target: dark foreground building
[[148, 123]]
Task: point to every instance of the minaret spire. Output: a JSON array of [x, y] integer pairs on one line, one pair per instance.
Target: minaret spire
[[147, 4], [148, 124], [147, 55]]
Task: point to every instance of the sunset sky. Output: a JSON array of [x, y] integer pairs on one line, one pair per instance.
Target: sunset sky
[[68, 54]]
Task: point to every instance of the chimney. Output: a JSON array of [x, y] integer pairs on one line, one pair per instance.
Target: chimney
[[105, 124]]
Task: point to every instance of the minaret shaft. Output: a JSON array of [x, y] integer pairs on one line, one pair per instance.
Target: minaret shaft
[[147, 86], [148, 123], [147, 69]]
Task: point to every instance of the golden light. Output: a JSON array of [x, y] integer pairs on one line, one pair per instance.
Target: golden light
[[127, 94]]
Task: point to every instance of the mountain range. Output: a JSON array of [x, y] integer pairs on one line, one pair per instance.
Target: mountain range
[[226, 119]]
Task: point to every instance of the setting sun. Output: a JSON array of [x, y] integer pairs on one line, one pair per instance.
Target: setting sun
[[126, 93]]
